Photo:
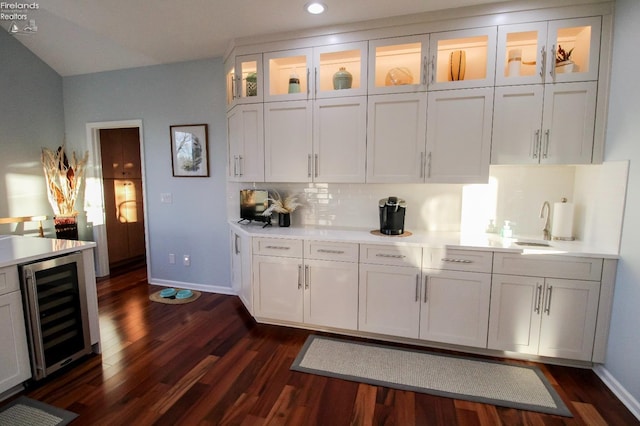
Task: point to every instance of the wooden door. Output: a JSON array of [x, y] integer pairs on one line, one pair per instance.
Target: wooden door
[[123, 202]]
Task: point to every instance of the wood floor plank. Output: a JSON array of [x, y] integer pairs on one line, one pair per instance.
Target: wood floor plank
[[209, 363]]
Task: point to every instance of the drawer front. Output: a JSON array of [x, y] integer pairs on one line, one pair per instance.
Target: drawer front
[[457, 260], [391, 255], [281, 247], [551, 266], [9, 279], [325, 250]]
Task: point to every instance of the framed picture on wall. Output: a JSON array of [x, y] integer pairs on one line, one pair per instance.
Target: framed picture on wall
[[189, 150]]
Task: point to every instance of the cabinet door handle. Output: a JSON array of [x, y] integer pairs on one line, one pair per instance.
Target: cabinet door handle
[[543, 60], [429, 165], [552, 72], [547, 309], [433, 69], [315, 165], [417, 287], [422, 164], [315, 82], [536, 144], [538, 298], [235, 165], [308, 82], [307, 277], [393, 256], [299, 277], [233, 87], [309, 166], [331, 251], [545, 152], [454, 260], [424, 70], [235, 243], [278, 247], [426, 287], [240, 168]]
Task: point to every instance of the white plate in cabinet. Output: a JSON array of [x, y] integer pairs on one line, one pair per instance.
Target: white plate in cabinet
[[552, 266], [391, 255], [281, 247], [455, 307], [389, 301], [328, 250], [457, 260]]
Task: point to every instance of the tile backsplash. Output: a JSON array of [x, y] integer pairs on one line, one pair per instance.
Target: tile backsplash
[[514, 193]]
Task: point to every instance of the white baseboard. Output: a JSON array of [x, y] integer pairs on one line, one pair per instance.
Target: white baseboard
[[192, 286], [616, 387]]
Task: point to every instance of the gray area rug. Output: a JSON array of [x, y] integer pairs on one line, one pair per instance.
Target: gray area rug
[[489, 382], [28, 412]]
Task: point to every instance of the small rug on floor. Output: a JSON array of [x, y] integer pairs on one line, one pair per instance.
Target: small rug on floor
[[155, 297], [490, 382], [29, 412]]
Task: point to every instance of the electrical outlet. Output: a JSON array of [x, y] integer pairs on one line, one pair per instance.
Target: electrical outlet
[[166, 198], [172, 258], [186, 260]]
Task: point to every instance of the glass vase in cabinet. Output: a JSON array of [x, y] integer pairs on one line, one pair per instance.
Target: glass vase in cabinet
[[462, 59], [398, 65]]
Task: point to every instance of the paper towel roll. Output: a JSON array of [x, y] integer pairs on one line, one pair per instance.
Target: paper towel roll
[[562, 224]]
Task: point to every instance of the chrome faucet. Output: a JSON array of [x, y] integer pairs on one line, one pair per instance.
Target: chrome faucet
[[545, 232]]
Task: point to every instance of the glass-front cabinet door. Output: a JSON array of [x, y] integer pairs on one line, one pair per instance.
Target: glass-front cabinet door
[[521, 54], [574, 49], [340, 70], [462, 59], [230, 82], [398, 65], [249, 78], [287, 75]]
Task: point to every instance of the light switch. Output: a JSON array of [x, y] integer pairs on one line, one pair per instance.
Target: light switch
[[166, 198]]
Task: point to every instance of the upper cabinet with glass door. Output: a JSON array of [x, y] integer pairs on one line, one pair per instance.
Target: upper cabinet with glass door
[[565, 50], [244, 80], [398, 65], [287, 75], [462, 59], [340, 70]]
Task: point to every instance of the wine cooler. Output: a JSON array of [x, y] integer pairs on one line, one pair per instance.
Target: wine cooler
[[55, 300]]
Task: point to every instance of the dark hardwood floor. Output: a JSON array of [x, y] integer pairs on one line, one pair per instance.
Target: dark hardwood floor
[[209, 363]]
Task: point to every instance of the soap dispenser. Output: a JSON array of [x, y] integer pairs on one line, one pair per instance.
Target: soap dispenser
[[506, 232]]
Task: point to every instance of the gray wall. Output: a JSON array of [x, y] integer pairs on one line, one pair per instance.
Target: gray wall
[[623, 142], [161, 96], [31, 117]]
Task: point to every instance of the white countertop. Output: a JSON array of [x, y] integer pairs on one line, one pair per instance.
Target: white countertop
[[15, 249], [489, 242]]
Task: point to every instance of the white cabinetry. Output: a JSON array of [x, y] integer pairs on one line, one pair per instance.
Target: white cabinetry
[[546, 316], [455, 297], [459, 121], [14, 354], [245, 136], [547, 124], [241, 268], [331, 284], [277, 279], [396, 138], [398, 65]]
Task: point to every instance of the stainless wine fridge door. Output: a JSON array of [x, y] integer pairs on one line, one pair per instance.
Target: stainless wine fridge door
[[56, 311]]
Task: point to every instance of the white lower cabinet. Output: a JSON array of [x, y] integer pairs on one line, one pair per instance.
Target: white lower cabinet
[[278, 288], [455, 307], [241, 268], [14, 354], [543, 316]]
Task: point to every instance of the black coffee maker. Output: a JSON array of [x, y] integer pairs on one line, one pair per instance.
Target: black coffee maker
[[392, 211]]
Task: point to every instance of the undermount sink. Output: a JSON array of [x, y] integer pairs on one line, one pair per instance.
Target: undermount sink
[[532, 244]]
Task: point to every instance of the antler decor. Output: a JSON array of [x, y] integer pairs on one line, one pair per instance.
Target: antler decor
[[64, 179]]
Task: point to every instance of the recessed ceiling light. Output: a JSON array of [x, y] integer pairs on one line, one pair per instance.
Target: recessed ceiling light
[[315, 8]]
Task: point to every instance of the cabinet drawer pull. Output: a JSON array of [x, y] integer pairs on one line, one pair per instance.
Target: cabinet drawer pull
[[547, 309], [330, 251], [454, 260], [393, 256], [299, 277], [538, 298], [278, 248]]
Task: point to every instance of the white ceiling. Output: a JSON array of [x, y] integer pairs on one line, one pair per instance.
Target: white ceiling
[[86, 36]]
